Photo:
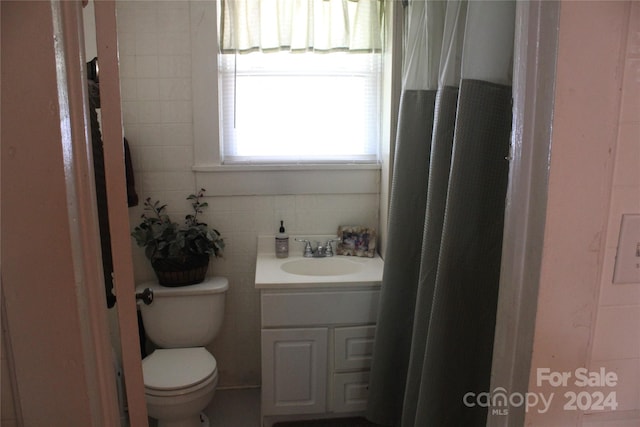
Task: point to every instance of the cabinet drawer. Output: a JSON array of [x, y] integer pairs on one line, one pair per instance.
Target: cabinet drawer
[[353, 347], [319, 308], [350, 392]]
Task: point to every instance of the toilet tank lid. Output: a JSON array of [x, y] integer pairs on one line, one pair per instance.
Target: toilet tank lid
[[177, 368], [210, 285]]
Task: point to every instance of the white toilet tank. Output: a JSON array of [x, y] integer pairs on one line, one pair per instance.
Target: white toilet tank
[[186, 316]]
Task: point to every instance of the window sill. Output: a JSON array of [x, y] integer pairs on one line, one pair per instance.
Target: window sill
[[255, 167], [285, 179]]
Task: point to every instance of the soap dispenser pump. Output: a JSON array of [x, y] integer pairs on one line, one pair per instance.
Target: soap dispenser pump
[[282, 242]]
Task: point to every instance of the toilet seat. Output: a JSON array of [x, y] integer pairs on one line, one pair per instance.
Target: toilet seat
[[212, 381], [178, 371]]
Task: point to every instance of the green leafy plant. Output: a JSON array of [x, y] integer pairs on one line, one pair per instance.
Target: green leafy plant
[[165, 240]]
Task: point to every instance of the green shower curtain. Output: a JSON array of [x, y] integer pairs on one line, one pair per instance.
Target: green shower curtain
[[434, 338]]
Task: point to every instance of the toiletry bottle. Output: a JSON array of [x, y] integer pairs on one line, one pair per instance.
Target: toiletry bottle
[[282, 242]]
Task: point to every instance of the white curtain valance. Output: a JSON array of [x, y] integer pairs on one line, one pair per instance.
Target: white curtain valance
[[300, 25]]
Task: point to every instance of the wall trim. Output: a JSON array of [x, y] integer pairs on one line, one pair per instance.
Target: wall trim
[[265, 182]]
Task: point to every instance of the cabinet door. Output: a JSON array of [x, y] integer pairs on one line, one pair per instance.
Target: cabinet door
[[294, 371]]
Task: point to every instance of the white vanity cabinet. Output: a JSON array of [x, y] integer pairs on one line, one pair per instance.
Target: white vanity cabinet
[[316, 351]]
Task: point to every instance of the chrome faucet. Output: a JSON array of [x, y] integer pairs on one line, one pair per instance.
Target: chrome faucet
[[320, 251]]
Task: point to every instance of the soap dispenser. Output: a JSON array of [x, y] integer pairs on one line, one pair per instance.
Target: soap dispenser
[[282, 242]]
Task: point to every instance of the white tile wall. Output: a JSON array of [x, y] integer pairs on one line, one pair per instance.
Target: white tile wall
[[155, 71], [616, 340]]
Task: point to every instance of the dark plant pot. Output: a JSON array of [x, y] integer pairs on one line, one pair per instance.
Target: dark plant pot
[[174, 273]]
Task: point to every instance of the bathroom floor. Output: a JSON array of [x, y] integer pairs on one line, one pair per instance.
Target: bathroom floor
[[235, 408], [241, 408], [232, 408]]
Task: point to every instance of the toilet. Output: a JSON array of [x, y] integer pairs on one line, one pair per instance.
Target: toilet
[[180, 377]]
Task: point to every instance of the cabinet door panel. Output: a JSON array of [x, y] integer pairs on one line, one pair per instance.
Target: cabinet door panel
[[350, 392], [353, 347], [294, 369]]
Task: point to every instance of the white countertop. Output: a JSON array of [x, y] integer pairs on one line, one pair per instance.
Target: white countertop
[[270, 275]]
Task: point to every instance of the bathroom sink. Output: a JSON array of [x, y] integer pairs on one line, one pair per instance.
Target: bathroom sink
[[298, 272], [321, 267]]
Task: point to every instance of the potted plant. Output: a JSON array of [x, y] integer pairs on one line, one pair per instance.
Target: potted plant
[[179, 254]]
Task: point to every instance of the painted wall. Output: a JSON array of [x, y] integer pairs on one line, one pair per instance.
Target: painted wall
[[156, 82], [616, 337], [583, 320], [8, 415]]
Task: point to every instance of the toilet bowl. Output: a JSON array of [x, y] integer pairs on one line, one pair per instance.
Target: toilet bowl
[[179, 384]]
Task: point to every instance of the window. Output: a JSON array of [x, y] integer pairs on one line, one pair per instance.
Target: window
[[300, 107], [300, 100]]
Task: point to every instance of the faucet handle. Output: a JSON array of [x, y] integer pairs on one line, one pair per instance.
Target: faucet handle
[[308, 252], [329, 247]]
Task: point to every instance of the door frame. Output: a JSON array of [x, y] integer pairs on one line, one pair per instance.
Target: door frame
[[119, 227], [535, 53], [54, 309]]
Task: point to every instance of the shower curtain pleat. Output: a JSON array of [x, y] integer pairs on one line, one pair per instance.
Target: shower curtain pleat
[[436, 320], [407, 213], [440, 162]]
